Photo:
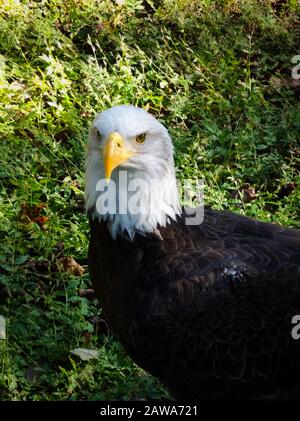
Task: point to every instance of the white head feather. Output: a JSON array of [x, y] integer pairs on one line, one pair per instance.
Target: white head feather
[[153, 162]]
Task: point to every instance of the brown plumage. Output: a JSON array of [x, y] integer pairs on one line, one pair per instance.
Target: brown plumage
[[208, 308]]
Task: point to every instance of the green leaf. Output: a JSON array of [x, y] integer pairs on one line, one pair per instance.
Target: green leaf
[[21, 259]]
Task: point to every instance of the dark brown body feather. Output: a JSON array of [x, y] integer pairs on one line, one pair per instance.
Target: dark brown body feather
[[207, 310]]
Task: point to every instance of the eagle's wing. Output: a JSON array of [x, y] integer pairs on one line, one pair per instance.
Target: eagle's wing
[[213, 306]]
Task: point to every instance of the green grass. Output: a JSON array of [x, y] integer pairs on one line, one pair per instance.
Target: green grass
[[215, 72]]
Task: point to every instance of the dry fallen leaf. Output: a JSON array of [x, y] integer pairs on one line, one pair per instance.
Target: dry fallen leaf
[[2, 327], [88, 293], [85, 354], [69, 264], [33, 214], [248, 193]]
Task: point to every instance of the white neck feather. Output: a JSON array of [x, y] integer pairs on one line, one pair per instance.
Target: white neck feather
[[154, 209]]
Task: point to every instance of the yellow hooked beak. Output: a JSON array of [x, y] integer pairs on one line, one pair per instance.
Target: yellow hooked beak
[[114, 153]]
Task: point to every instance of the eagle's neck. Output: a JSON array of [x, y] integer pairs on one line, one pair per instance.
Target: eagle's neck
[[147, 205]]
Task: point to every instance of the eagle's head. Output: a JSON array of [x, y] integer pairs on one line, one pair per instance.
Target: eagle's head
[[130, 173]]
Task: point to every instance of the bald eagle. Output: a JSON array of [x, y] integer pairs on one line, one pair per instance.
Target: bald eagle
[[205, 308]]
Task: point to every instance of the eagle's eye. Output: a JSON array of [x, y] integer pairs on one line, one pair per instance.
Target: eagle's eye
[[141, 138], [98, 134]]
